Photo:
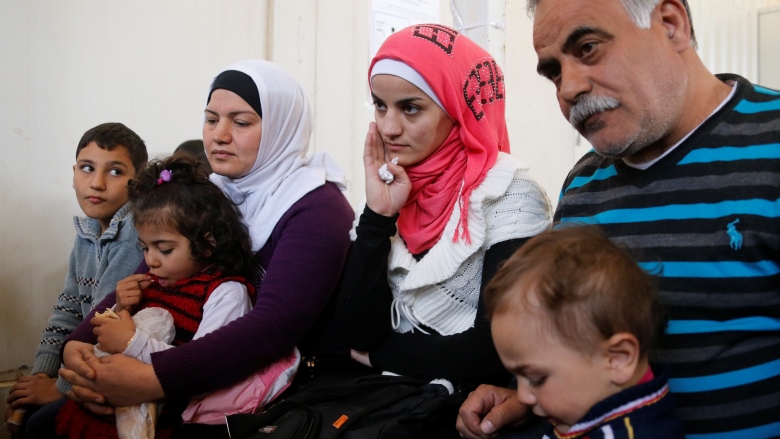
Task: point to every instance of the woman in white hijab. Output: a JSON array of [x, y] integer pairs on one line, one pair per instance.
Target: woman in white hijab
[[256, 135], [280, 172]]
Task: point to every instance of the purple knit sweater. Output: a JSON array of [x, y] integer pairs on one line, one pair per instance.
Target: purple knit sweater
[[302, 261]]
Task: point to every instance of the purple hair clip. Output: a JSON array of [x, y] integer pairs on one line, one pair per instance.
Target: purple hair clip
[[165, 176]]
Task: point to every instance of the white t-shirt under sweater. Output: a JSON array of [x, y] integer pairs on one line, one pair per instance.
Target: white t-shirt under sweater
[[441, 290]]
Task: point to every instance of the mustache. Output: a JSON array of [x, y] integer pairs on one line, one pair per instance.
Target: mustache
[[588, 105]]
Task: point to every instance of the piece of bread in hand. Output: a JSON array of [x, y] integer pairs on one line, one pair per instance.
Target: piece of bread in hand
[[109, 313]]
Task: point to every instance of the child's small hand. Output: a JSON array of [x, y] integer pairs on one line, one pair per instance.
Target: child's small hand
[[113, 335], [38, 389], [128, 291]]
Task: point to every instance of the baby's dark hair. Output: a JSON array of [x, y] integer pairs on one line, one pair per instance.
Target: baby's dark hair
[[112, 134], [194, 207], [588, 288]]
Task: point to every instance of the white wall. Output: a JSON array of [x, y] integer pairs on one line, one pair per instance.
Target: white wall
[[727, 31], [69, 65], [768, 50]]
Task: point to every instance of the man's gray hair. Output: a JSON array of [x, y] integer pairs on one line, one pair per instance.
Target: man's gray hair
[[640, 12]]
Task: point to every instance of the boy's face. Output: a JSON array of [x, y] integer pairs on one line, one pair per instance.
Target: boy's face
[[100, 179], [556, 381]]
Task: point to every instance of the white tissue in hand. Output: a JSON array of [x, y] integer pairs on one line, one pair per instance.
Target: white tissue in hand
[[386, 175], [157, 322], [138, 421]]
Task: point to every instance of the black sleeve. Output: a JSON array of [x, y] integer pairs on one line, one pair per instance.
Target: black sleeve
[[364, 301], [467, 356]]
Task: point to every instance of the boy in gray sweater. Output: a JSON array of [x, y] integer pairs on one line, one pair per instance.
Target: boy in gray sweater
[[105, 251]]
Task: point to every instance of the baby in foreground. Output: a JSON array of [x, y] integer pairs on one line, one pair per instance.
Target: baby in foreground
[[573, 317]]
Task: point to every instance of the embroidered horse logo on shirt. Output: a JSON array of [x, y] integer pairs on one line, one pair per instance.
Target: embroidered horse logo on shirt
[[734, 235]]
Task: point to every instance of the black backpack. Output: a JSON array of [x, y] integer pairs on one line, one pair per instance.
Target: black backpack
[[368, 407]]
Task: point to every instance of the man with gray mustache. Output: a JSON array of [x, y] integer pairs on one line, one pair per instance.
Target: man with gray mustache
[[588, 105], [685, 173]]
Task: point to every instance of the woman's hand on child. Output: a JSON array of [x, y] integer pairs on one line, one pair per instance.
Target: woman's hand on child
[[84, 389], [38, 389], [383, 198], [74, 357], [79, 360], [128, 291], [119, 381], [487, 410], [114, 335]]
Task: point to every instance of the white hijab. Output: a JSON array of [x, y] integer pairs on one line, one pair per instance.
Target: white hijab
[[282, 173]]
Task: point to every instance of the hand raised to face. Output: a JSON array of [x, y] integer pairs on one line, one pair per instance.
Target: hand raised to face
[[383, 198]]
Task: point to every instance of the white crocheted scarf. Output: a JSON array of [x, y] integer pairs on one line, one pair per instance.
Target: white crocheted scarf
[[441, 291]]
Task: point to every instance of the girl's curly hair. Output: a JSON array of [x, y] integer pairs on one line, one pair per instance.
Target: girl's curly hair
[[190, 204]]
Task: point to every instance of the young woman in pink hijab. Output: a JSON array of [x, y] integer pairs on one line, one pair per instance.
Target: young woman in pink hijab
[[445, 205]]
